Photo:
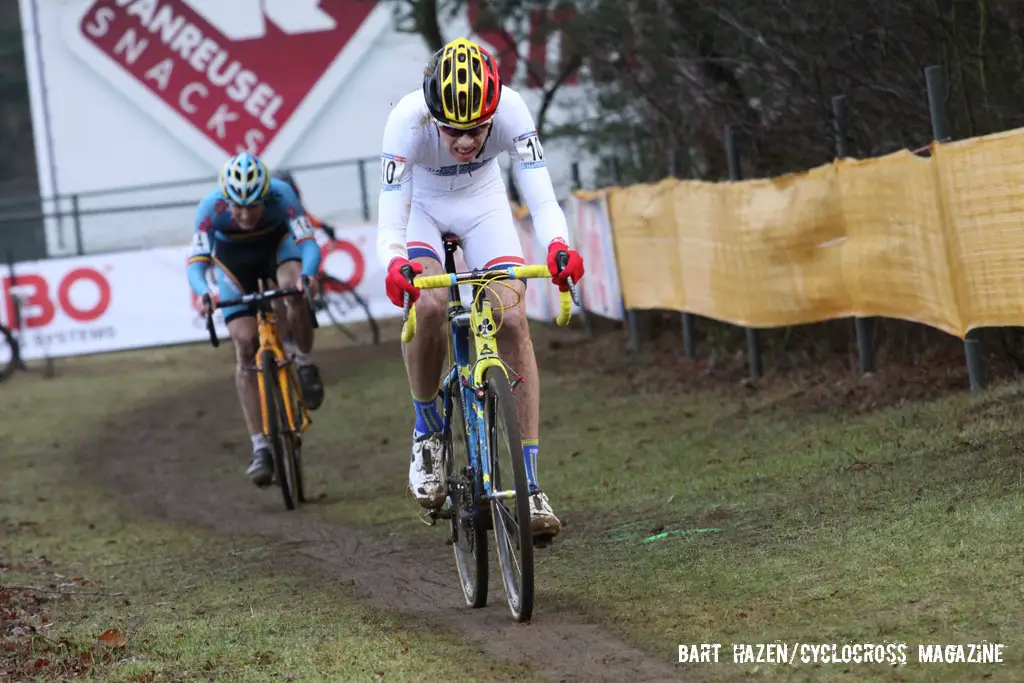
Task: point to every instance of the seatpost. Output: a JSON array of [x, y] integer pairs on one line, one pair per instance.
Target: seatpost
[[449, 256]]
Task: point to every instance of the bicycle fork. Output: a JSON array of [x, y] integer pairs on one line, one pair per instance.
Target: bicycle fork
[[285, 378]]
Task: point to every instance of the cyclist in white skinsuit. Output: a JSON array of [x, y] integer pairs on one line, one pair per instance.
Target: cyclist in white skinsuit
[[440, 174]]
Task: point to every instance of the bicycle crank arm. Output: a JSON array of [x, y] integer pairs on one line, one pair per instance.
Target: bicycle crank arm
[[443, 513]]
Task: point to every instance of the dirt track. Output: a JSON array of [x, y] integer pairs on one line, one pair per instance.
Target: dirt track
[[161, 459]]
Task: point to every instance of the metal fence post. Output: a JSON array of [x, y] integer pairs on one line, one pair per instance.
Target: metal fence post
[[753, 343], [863, 327], [76, 221], [631, 320], [13, 305], [935, 81], [361, 168], [689, 331]]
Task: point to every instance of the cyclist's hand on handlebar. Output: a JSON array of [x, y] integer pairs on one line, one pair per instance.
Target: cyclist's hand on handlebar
[[397, 284], [573, 267], [311, 283], [203, 304]]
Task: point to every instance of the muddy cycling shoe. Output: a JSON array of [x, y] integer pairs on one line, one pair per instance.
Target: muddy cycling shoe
[[425, 471], [542, 519], [261, 469], [312, 386]]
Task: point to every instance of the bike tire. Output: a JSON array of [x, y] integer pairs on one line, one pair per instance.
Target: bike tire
[[7, 339], [289, 442], [275, 418], [296, 399], [500, 416], [465, 489]]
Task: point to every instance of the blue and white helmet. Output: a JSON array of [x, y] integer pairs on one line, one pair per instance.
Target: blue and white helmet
[[245, 180]]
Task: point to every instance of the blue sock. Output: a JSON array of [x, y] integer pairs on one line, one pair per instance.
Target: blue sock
[[530, 448], [428, 421]]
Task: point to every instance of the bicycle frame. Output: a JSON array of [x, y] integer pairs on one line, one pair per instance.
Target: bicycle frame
[[268, 339], [468, 375]]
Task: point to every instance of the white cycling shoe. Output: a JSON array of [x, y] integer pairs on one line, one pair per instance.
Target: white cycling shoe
[[425, 480], [542, 519]]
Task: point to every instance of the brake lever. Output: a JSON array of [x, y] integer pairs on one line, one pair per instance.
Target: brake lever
[[407, 271], [562, 260], [210, 328]]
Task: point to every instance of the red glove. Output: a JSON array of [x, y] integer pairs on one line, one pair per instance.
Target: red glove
[[573, 269], [396, 284]]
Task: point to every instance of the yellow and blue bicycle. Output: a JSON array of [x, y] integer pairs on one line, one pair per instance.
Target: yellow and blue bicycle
[[483, 469]]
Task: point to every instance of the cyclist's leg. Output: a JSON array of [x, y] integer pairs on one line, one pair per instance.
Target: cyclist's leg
[[424, 360], [299, 324], [241, 324], [493, 242]]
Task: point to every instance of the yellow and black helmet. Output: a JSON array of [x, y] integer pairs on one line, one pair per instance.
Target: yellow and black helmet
[[463, 87]]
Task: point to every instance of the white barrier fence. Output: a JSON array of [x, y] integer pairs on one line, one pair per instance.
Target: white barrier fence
[[137, 299]]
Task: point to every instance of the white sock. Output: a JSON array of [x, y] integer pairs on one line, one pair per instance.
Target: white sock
[[300, 357], [258, 441]]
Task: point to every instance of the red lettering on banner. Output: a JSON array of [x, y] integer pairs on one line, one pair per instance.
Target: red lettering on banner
[[43, 308], [238, 91], [64, 294], [39, 299], [358, 263]]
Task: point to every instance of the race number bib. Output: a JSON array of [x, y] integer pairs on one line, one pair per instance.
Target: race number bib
[[391, 169], [528, 147], [301, 228], [200, 244]]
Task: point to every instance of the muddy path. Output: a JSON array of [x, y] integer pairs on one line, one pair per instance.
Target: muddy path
[[161, 459]]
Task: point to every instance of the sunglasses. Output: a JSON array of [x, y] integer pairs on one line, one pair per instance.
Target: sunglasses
[[254, 205], [474, 132]]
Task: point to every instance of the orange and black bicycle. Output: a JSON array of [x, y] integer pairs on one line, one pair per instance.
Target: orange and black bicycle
[[285, 417]]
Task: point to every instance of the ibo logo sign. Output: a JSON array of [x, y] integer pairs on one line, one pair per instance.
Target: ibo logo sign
[[226, 75]]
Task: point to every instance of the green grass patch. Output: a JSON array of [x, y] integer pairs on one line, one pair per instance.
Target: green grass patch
[[95, 593], [696, 517]]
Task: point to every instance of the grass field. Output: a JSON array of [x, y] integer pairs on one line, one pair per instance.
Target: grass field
[[183, 604], [693, 515]]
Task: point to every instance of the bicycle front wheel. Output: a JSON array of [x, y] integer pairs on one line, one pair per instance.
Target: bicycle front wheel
[[469, 531], [510, 495], [278, 436], [9, 353], [295, 433]]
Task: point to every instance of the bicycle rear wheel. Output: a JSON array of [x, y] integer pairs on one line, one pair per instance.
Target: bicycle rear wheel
[[10, 354], [278, 436], [469, 534], [510, 501]]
